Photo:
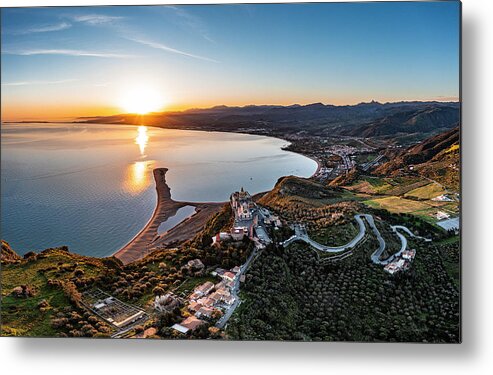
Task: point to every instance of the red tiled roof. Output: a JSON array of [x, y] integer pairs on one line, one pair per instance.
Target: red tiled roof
[[192, 323]]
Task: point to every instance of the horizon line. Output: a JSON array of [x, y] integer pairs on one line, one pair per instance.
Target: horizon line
[[73, 118]]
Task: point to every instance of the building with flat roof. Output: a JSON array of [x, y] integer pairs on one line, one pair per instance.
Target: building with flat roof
[[180, 328], [238, 233]]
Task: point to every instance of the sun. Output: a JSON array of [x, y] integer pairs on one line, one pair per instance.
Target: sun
[[141, 100]]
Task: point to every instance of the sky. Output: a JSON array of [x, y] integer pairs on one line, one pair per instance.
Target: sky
[[64, 62]]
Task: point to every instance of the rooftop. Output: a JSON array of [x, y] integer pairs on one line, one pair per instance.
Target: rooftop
[[191, 323]]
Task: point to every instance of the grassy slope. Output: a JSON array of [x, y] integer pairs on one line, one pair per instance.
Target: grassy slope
[[290, 189], [291, 195], [21, 316], [302, 200], [426, 192], [402, 194], [45, 273], [436, 158]]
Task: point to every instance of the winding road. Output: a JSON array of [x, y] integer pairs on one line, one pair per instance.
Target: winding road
[[301, 235]]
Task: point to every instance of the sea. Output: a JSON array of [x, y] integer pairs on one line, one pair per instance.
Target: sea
[[90, 186]]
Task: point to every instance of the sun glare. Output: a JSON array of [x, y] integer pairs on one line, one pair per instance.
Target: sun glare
[[141, 100], [142, 139]]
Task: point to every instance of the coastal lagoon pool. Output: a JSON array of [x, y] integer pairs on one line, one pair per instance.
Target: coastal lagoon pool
[[181, 215], [90, 186]]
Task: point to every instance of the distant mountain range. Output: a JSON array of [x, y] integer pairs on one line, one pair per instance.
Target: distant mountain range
[[371, 119], [409, 121]]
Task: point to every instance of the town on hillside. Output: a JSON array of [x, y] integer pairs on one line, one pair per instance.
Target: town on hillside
[[217, 301]]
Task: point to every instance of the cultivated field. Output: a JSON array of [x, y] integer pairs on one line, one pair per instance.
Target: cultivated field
[[426, 192]]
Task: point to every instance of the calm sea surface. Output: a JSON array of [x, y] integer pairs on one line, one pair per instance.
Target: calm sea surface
[[90, 187]]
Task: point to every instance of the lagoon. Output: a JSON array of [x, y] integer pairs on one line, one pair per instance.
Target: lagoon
[[181, 215], [90, 186]]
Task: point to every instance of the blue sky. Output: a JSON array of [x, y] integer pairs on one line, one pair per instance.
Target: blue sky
[[67, 61]]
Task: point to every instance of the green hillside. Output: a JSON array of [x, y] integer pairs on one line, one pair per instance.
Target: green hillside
[[436, 158]]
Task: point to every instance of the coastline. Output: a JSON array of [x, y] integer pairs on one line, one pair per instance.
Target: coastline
[[318, 166], [315, 160], [148, 239], [172, 128]]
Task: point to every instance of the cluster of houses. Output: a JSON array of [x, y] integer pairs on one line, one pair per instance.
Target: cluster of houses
[[401, 262], [323, 173], [209, 300]]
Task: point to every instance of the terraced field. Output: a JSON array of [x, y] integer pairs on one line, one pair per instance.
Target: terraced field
[[397, 204], [371, 185], [426, 192]]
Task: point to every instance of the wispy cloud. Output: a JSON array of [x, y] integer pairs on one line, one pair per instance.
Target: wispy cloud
[[192, 21], [66, 52], [29, 83], [96, 19], [43, 28], [166, 48]]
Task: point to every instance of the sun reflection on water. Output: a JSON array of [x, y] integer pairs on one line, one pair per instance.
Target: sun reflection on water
[[142, 139], [138, 176]]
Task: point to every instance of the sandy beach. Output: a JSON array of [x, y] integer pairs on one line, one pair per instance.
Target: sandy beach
[[148, 239]]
